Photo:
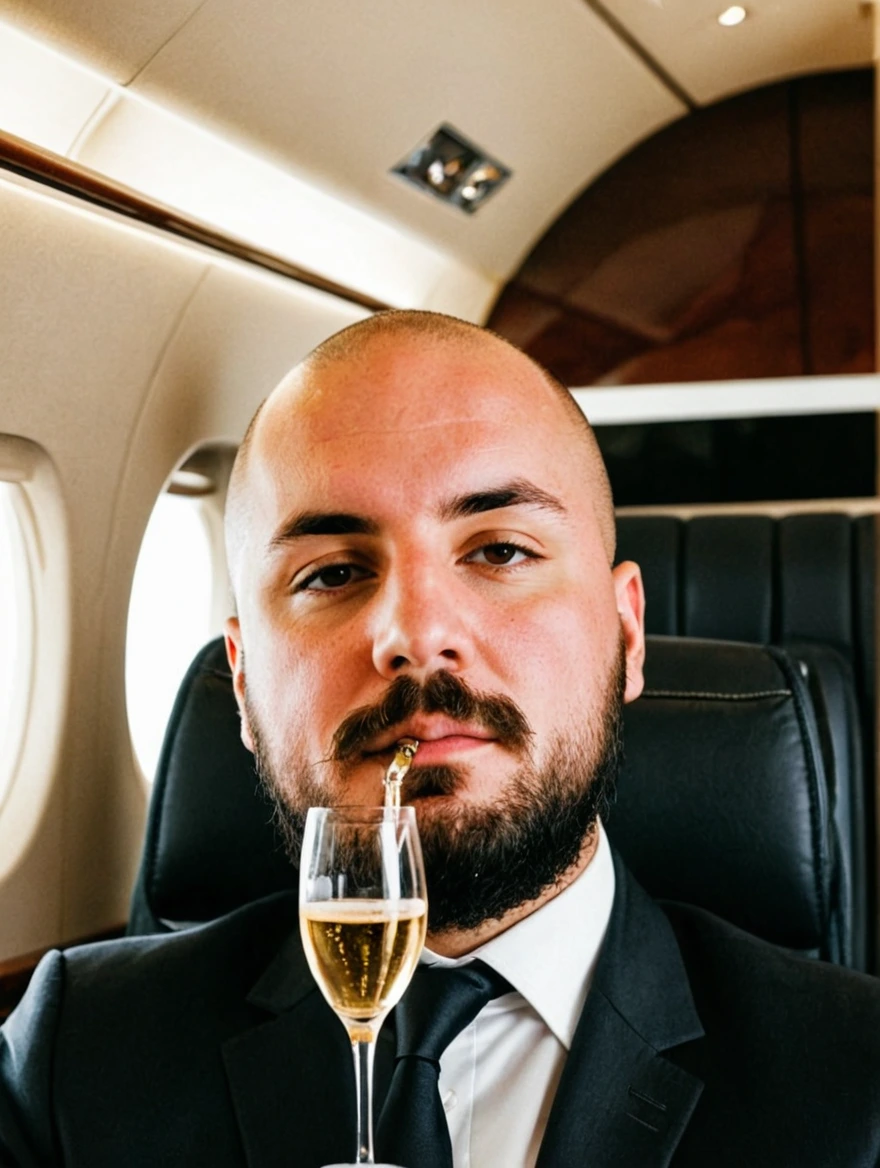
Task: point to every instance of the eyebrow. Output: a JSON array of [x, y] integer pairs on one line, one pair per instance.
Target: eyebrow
[[516, 493], [323, 523]]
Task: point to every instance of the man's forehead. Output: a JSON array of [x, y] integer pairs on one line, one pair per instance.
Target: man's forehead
[[411, 421], [412, 383]]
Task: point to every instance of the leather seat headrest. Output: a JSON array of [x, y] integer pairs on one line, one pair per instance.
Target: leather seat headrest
[[722, 800]]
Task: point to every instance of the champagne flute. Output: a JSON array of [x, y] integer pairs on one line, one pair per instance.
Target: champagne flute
[[362, 914]]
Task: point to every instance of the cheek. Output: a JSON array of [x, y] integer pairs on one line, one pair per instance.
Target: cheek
[[281, 689], [303, 687], [556, 657], [566, 632]]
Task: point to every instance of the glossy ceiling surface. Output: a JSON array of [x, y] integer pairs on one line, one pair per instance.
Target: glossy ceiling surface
[[753, 256]]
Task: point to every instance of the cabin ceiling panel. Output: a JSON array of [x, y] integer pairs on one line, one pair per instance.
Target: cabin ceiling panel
[[778, 39], [173, 161], [118, 39], [331, 103], [549, 90], [44, 97]]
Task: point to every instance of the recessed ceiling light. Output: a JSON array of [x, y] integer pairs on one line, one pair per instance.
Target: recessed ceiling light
[[736, 14], [453, 169]]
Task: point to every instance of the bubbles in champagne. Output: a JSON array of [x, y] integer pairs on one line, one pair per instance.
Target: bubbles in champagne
[[363, 952]]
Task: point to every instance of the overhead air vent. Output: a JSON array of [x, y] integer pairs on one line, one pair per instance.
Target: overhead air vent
[[453, 169]]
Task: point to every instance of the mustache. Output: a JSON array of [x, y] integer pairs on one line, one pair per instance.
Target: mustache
[[442, 693]]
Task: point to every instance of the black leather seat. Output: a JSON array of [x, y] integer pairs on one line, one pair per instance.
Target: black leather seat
[[723, 801], [805, 582]]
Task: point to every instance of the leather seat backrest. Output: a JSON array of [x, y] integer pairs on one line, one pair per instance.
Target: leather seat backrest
[[805, 582], [760, 579], [210, 844], [722, 802]]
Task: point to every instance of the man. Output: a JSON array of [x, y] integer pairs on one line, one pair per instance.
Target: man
[[420, 540]]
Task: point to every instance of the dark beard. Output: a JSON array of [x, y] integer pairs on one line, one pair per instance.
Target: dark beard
[[480, 862]]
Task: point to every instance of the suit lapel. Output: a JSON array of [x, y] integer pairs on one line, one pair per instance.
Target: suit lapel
[[291, 1077], [620, 1101]]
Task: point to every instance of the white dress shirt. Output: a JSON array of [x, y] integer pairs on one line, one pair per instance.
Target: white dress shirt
[[498, 1078]]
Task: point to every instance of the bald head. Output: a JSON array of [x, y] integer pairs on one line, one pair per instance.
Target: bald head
[[351, 350]]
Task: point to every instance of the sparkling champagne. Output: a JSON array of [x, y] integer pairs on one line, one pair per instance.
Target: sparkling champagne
[[362, 953]]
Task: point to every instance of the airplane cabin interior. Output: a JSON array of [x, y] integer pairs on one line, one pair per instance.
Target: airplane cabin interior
[[670, 204]]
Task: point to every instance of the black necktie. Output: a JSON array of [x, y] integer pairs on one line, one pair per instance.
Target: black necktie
[[437, 1006]]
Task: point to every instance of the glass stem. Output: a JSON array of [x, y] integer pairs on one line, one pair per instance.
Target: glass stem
[[363, 1081]]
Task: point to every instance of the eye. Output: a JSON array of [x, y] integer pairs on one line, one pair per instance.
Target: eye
[[499, 555], [331, 578]]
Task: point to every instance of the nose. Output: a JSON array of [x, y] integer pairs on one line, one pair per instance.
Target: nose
[[420, 624]]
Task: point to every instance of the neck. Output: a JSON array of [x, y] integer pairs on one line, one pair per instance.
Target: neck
[[458, 942]]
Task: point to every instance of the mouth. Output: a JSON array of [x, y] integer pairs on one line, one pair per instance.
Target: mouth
[[440, 739]]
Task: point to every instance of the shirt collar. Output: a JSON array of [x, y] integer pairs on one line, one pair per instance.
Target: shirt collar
[[549, 956]]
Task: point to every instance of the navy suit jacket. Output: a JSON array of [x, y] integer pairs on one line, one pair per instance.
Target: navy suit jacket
[[698, 1046]]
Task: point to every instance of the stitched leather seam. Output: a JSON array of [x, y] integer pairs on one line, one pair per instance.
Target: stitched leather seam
[[709, 695]]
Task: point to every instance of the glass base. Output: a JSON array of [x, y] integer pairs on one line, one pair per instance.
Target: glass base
[[360, 1166]]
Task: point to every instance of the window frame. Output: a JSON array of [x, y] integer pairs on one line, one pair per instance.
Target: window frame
[[208, 504], [20, 707], [39, 505]]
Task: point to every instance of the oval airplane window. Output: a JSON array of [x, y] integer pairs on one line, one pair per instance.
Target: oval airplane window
[[16, 635], [169, 617]]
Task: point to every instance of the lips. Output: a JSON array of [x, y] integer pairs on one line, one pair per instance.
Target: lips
[[436, 737], [438, 750]]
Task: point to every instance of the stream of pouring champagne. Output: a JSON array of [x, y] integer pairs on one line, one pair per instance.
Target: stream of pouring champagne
[[400, 764]]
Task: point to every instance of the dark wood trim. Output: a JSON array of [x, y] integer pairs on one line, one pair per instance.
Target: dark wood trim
[[53, 170], [799, 223], [16, 972]]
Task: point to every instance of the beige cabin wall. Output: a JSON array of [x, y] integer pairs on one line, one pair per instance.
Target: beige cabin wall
[[122, 352]]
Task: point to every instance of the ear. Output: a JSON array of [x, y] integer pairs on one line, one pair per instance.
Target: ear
[[235, 655], [630, 595]]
